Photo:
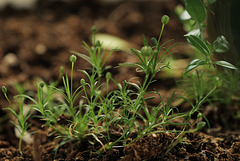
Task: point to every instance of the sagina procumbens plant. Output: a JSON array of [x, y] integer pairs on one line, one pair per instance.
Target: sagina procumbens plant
[[91, 117]]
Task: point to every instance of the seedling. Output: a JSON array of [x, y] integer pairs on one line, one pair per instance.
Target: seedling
[[22, 125]]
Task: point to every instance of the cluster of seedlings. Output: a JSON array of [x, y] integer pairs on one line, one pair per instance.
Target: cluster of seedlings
[[95, 117]]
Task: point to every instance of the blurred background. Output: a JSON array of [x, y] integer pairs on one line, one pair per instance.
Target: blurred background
[[36, 36]]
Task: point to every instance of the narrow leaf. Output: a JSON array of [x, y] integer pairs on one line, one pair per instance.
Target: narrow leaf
[[225, 64], [199, 44], [194, 64]]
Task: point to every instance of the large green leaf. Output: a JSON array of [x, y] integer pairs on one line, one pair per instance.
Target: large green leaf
[[196, 10], [199, 44]]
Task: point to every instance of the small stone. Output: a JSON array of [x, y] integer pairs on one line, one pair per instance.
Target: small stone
[[40, 49], [10, 59]]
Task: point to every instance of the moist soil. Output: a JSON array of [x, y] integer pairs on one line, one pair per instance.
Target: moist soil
[[34, 44]]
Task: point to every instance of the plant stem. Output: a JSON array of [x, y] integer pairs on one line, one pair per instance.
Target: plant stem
[[160, 35]]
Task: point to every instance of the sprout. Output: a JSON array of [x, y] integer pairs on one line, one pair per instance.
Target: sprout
[[165, 19], [73, 58]]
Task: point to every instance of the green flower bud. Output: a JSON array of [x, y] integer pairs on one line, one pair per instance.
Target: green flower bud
[[41, 84], [94, 29], [146, 51], [108, 75], [199, 115], [98, 43], [61, 70], [165, 19], [73, 58], [83, 82], [4, 89], [201, 125], [154, 41]]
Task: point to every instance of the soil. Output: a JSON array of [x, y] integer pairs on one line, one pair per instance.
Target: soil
[[34, 44]]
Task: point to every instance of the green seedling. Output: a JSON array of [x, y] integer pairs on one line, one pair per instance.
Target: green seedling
[[97, 56], [22, 125]]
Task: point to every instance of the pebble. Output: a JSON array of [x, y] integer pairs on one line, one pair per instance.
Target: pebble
[[40, 49], [10, 59]]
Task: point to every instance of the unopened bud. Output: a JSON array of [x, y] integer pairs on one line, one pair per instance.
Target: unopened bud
[[41, 84], [83, 82], [154, 41], [199, 115], [165, 19], [201, 125], [146, 51], [98, 43], [4, 89], [94, 29], [61, 70], [108, 75], [73, 58]]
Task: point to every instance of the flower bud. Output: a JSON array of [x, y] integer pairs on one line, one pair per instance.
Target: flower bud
[[73, 58], [61, 70], [83, 82], [41, 84], [4, 89], [108, 75], [154, 41], [98, 43], [146, 51], [199, 115], [165, 19], [201, 125], [94, 29]]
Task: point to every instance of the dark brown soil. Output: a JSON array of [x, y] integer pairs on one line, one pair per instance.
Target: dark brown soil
[[35, 43]]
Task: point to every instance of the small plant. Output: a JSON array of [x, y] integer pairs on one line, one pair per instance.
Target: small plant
[[22, 125]]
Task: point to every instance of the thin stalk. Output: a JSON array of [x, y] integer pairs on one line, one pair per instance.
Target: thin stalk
[[72, 79], [160, 35]]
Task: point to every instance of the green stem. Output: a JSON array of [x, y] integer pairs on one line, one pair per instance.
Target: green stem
[[8, 100], [72, 79], [159, 38], [20, 143], [71, 92]]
